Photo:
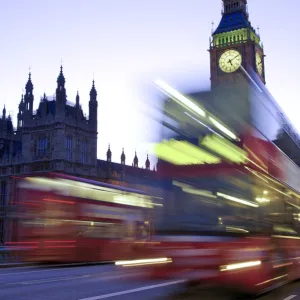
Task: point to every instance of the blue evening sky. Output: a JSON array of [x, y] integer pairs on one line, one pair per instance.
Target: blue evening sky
[[128, 43]]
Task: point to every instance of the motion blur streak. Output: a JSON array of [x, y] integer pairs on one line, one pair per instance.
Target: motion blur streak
[[140, 262], [242, 201], [243, 265], [180, 98]]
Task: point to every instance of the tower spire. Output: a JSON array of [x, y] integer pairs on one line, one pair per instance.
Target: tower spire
[[29, 85], [93, 107], [123, 157], [77, 99], [93, 92], [61, 78], [108, 154], [135, 161], [147, 163], [4, 113], [212, 27]]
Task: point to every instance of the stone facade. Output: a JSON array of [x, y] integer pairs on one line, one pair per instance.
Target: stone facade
[[57, 137]]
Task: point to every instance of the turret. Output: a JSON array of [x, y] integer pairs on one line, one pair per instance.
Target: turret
[[147, 163], [28, 99], [123, 157], [136, 161], [108, 154], [61, 97], [21, 112], [93, 108], [4, 113]]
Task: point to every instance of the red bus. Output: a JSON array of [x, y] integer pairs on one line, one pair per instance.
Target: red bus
[[231, 191], [69, 219]]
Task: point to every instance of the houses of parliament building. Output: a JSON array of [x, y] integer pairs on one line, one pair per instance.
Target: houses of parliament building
[[57, 137]]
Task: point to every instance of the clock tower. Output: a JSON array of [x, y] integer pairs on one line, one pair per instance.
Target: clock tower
[[235, 43]]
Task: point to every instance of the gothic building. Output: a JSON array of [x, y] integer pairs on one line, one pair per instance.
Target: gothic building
[[57, 137]]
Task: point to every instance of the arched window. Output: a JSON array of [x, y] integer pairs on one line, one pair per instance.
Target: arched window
[[69, 147], [84, 152], [42, 145]]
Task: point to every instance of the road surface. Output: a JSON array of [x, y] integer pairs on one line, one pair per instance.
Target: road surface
[[101, 282]]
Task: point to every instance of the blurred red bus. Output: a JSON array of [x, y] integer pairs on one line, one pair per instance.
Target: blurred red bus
[[69, 219], [232, 192]]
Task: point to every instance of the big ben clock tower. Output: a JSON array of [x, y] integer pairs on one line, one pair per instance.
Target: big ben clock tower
[[235, 43]]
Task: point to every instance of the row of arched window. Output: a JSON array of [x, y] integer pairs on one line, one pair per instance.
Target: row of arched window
[[232, 6], [82, 148]]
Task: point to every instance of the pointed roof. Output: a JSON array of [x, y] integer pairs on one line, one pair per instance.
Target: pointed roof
[[61, 78], [29, 85], [147, 162], [233, 21], [93, 92], [135, 160], [235, 16], [4, 112], [123, 157], [108, 153], [77, 99]]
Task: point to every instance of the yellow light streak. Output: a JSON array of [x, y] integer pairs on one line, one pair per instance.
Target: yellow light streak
[[242, 265], [223, 128], [179, 98], [238, 200], [140, 262]]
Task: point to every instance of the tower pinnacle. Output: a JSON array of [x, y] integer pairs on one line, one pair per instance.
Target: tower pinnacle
[[4, 113], [29, 85], [123, 157], [93, 92], [61, 78]]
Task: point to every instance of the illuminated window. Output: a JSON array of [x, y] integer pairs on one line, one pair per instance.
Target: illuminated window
[[69, 143]]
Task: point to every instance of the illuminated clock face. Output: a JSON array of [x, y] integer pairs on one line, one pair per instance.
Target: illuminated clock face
[[259, 65], [230, 61]]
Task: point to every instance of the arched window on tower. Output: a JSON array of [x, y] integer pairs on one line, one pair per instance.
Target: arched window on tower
[[69, 147], [42, 145]]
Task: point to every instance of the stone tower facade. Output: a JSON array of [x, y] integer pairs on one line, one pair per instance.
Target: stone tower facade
[[235, 43], [57, 137]]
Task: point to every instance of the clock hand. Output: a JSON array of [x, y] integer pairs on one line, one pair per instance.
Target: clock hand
[[236, 57]]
